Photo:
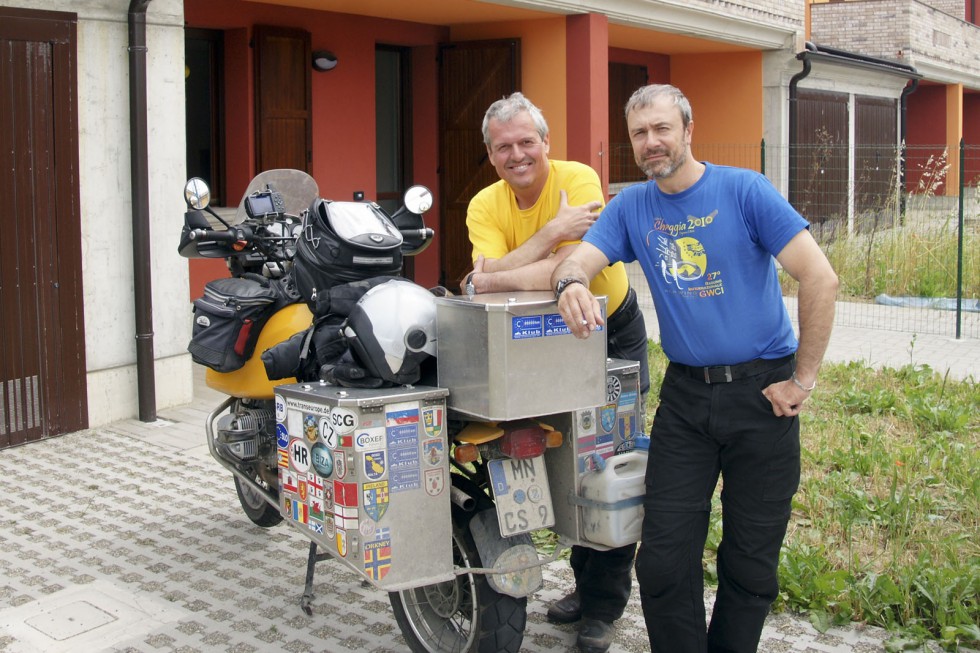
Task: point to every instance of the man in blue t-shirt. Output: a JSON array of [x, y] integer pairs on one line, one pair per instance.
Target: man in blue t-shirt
[[706, 237]]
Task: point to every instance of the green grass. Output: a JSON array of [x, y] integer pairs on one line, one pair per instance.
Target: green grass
[[886, 524]]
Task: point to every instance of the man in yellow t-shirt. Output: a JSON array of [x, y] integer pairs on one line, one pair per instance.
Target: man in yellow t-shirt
[[521, 227]]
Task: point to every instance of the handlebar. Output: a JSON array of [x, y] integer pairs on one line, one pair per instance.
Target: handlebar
[[423, 234], [230, 236]]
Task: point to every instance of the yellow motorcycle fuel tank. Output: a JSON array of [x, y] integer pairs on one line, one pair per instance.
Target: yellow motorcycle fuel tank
[[250, 380]]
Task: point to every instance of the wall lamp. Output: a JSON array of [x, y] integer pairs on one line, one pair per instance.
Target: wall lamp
[[324, 60]]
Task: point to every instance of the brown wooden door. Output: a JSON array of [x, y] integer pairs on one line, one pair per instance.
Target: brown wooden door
[[624, 79], [472, 75], [875, 161], [42, 341], [282, 99], [818, 161]]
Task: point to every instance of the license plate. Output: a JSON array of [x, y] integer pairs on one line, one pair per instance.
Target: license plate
[[522, 493]]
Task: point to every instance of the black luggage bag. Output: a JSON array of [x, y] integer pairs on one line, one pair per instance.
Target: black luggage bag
[[343, 242], [228, 319]]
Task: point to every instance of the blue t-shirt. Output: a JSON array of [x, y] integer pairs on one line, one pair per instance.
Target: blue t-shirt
[[707, 253]]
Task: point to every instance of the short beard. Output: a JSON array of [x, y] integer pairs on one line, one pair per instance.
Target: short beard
[[655, 171]]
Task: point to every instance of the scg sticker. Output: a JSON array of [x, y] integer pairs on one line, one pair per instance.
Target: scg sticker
[[343, 420]]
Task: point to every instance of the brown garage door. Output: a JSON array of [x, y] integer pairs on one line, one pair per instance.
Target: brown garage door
[[42, 344]]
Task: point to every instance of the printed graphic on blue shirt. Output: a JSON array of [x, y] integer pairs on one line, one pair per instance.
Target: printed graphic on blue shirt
[[682, 259]]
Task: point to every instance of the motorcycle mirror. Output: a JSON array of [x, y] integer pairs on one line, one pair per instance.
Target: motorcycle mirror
[[196, 193], [418, 199]]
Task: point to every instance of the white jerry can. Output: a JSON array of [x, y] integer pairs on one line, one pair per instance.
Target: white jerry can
[[612, 500]]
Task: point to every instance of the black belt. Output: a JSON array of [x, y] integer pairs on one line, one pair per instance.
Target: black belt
[[729, 373]]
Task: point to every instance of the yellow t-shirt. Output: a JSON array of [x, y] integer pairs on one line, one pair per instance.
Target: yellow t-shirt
[[497, 226]]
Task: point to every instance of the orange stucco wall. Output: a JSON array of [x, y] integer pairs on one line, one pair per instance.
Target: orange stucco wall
[[726, 102]]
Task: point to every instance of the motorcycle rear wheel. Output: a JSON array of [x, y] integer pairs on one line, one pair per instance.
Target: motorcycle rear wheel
[[463, 615], [256, 507]]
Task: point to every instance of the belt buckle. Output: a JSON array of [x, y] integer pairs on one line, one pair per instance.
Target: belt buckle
[[728, 373]]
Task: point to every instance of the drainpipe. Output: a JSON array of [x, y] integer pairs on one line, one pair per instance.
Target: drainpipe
[[139, 181], [793, 124]]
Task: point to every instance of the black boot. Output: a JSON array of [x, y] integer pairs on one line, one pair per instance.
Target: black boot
[[566, 610]]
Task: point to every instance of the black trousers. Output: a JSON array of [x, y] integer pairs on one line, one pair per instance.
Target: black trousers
[[703, 430], [603, 578]]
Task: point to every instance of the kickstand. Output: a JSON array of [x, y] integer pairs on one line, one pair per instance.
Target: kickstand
[[311, 560]]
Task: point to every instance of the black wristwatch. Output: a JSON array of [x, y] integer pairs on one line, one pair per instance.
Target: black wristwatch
[[565, 283]]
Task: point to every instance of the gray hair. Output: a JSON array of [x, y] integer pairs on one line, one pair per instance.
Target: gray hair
[[506, 109], [647, 95]]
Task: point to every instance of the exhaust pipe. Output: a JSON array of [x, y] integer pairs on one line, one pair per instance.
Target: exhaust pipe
[[462, 499]]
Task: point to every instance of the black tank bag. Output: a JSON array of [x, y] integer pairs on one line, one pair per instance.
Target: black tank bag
[[228, 319], [343, 242]]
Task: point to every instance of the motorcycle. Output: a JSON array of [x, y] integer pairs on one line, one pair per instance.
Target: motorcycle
[[395, 423]]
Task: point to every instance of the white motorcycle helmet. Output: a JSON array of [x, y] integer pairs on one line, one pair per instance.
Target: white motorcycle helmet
[[392, 329]]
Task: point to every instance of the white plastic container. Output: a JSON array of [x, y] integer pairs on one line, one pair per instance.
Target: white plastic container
[[612, 500]]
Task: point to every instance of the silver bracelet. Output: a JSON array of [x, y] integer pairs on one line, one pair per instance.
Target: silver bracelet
[[801, 386]]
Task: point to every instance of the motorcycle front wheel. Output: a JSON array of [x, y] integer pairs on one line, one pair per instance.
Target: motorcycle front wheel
[[463, 615], [255, 506]]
